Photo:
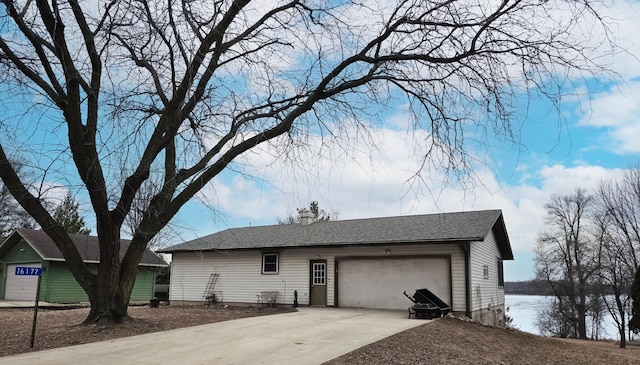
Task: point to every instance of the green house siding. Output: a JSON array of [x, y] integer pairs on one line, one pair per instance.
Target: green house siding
[[21, 253], [145, 285], [63, 287], [58, 284]]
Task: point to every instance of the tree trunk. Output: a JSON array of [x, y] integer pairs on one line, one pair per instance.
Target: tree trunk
[[107, 302], [107, 308], [115, 280], [621, 326], [582, 316]]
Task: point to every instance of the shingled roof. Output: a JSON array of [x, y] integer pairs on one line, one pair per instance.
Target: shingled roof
[[87, 247], [430, 228]]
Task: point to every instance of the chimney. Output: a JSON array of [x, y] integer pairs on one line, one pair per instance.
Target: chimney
[[306, 217]]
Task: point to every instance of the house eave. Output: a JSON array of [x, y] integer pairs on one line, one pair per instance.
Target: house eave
[[56, 259], [332, 245]]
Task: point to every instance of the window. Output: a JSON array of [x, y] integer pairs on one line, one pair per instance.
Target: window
[[500, 274], [319, 273], [269, 263], [485, 271]]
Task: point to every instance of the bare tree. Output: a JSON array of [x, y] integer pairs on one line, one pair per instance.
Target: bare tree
[[634, 322], [618, 218], [567, 258], [12, 215], [178, 91], [169, 233]]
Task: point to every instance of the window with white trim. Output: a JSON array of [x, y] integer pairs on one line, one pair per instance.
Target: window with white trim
[[269, 263]]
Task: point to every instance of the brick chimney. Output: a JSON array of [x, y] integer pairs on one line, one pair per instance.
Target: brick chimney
[[306, 217]]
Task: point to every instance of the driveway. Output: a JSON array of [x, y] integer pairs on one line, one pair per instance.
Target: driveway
[[310, 336]]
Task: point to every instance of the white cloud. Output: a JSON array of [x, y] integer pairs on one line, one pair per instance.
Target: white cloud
[[616, 114], [375, 183], [361, 182]]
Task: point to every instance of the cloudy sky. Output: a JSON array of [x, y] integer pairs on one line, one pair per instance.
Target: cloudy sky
[[593, 136]]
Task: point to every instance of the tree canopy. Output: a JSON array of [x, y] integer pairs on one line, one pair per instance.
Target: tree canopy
[[169, 95]]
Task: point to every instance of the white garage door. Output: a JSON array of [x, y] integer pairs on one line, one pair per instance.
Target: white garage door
[[379, 283], [21, 287]]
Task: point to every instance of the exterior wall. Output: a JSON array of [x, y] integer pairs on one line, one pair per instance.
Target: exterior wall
[[62, 287], [240, 279], [145, 286], [488, 297], [494, 316], [21, 253], [58, 284]]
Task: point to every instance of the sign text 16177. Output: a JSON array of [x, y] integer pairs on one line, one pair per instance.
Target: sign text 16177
[[32, 271]]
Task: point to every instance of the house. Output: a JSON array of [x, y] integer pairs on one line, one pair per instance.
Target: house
[[34, 248], [364, 263]]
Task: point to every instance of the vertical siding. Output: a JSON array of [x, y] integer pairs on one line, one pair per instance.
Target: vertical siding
[[485, 292], [240, 278]]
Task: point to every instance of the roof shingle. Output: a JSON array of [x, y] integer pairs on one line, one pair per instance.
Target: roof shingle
[[432, 228], [87, 247]]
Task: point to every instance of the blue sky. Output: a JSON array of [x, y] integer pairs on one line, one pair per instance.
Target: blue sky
[[594, 135]]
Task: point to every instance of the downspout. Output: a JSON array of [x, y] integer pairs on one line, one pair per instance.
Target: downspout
[[3, 278], [467, 278]]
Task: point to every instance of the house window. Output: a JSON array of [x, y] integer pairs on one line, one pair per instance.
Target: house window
[[269, 263], [485, 271], [500, 274]]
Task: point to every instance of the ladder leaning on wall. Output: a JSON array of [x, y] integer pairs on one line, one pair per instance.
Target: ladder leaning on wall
[[208, 295]]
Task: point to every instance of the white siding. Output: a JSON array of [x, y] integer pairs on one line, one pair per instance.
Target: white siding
[[241, 280], [485, 292]]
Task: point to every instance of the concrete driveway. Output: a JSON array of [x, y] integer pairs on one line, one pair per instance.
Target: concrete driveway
[[310, 336]]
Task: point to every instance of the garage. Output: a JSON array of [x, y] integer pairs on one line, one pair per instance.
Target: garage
[[21, 287], [379, 282]]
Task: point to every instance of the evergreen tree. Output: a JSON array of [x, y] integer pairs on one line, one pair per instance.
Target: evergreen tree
[[634, 323], [67, 215]]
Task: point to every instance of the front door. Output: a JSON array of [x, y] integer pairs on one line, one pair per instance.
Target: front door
[[318, 281]]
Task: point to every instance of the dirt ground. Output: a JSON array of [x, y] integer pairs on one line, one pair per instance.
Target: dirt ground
[[456, 341], [445, 341]]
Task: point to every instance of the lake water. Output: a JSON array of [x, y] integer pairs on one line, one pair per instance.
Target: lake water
[[524, 311]]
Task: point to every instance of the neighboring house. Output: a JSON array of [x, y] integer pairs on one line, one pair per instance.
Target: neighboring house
[[34, 248], [363, 263]]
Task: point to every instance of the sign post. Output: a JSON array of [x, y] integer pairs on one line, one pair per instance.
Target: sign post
[[32, 271]]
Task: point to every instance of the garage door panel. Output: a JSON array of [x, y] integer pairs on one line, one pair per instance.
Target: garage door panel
[[379, 283], [21, 287]]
